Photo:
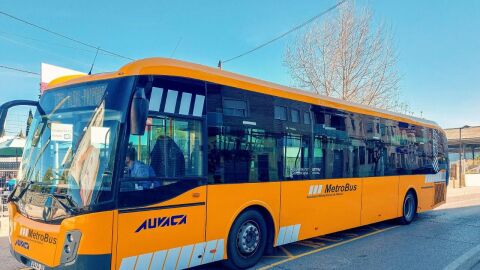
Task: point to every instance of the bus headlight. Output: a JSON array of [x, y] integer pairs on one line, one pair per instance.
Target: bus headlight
[[71, 242], [70, 238]]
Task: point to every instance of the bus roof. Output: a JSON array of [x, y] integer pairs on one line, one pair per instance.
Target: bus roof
[[171, 67]]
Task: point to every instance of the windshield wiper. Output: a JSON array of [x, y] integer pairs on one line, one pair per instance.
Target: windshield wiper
[[39, 155], [73, 209], [14, 198]]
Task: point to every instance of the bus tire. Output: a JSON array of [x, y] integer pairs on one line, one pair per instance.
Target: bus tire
[[409, 208], [247, 240]]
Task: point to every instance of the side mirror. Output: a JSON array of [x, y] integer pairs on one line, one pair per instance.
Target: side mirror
[[138, 112], [4, 110]]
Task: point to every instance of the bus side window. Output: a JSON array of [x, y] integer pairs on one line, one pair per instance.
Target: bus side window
[[242, 142], [170, 148], [137, 169]]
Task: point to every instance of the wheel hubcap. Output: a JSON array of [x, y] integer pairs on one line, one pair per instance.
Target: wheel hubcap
[[248, 238]]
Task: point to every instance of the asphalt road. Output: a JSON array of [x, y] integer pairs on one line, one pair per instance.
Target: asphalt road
[[435, 240]]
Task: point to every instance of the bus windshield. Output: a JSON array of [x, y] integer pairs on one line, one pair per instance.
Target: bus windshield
[[69, 155]]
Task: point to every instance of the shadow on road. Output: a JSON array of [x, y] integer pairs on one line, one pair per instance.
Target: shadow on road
[[465, 216]]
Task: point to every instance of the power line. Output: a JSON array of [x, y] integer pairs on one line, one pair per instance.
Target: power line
[[176, 46], [63, 36], [48, 42], [20, 70], [284, 34], [40, 48]]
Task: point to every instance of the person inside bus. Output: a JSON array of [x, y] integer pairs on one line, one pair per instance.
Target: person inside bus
[[136, 168]]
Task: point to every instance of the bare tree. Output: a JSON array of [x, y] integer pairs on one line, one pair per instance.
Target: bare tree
[[347, 58]]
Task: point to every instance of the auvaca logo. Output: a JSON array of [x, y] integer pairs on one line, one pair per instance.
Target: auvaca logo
[[22, 244], [159, 222]]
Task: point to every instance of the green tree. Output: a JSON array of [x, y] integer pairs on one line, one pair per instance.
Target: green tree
[[48, 177]]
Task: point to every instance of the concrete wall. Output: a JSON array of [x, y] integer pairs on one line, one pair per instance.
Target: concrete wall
[[472, 180]]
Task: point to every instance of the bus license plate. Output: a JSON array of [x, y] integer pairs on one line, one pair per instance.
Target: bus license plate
[[37, 266]]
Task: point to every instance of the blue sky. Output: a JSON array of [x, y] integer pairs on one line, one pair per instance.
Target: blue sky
[[437, 43]]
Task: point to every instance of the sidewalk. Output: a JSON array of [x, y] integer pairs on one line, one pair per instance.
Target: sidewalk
[[461, 197], [452, 192], [4, 226]]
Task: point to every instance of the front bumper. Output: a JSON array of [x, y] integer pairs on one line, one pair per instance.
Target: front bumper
[[82, 262]]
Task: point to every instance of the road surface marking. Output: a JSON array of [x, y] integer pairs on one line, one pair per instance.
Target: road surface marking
[[329, 239], [311, 242], [306, 244], [466, 261], [324, 248], [286, 252]]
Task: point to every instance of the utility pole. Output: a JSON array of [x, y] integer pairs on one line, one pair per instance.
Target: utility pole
[[462, 156], [460, 151]]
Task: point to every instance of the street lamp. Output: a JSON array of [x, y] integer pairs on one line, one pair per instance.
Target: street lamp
[[462, 155]]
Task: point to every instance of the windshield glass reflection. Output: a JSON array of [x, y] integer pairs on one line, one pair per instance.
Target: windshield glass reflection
[[70, 150]]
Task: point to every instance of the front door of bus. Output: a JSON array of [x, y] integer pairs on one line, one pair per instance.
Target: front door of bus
[[161, 220]]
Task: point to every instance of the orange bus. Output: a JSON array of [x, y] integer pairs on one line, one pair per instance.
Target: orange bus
[[165, 164]]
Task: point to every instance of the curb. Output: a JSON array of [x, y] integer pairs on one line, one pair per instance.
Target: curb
[[467, 261]]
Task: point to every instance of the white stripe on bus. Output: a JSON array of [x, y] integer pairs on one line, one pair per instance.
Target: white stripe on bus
[[281, 236], [158, 259], [172, 258], [178, 257], [185, 256], [128, 263], [197, 254], [296, 232], [143, 261], [208, 255], [288, 234], [219, 251]]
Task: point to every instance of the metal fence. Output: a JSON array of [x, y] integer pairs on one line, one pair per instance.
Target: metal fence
[[3, 198], [3, 204]]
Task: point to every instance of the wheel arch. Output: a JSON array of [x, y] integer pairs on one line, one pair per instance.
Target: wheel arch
[[402, 193], [266, 211], [414, 191]]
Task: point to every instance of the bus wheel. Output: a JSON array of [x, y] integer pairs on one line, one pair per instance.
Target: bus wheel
[[409, 208], [247, 240]]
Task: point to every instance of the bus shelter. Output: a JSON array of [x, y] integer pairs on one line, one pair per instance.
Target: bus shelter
[[11, 150], [464, 154]]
